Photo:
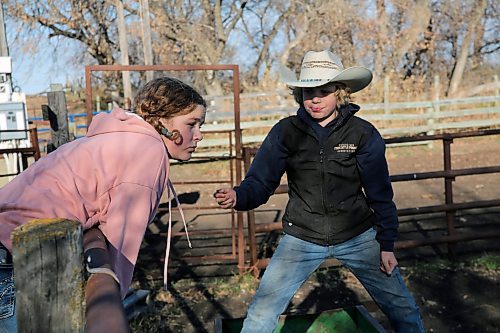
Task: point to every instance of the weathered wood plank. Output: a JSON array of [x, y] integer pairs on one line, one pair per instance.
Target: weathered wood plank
[[49, 276], [59, 128]]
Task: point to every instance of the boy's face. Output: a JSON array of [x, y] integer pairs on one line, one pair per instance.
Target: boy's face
[[189, 128], [320, 102]]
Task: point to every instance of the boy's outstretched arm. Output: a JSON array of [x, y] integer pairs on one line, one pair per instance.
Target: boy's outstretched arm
[[262, 178]]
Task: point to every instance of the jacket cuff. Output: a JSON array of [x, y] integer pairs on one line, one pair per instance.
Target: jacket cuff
[[386, 246], [240, 199]]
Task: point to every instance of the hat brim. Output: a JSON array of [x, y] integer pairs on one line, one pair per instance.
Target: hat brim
[[356, 78]]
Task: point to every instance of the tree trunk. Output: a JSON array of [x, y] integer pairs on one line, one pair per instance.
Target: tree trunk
[[122, 36], [146, 37], [420, 19], [382, 40], [458, 71]]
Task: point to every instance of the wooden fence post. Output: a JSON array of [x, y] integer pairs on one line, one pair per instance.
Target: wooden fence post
[[437, 89], [49, 276], [98, 103], [57, 113], [497, 91], [433, 111], [386, 95]]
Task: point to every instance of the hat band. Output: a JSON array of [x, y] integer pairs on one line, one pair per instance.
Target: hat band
[[321, 64], [312, 80]]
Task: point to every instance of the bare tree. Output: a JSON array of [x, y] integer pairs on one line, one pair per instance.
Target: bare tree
[[406, 40], [417, 21], [196, 32], [490, 31], [88, 22], [382, 40], [317, 25], [260, 27], [463, 51], [91, 25]]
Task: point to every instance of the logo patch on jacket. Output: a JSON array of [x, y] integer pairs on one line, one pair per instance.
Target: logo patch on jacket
[[345, 148]]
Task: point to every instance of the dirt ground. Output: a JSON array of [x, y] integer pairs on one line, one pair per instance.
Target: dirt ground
[[459, 293]]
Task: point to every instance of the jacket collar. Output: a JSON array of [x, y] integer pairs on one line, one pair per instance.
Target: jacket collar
[[308, 124]]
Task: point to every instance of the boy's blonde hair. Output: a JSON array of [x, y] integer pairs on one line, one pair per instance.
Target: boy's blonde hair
[[342, 93], [165, 97]]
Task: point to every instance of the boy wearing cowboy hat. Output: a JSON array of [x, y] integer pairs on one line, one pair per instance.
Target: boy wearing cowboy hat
[[340, 196]]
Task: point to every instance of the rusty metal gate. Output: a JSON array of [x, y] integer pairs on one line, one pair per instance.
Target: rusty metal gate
[[236, 230]]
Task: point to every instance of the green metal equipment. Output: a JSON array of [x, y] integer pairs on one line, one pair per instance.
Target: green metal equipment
[[348, 320]]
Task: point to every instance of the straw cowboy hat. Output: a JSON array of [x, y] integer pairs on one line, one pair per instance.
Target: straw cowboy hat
[[319, 68]]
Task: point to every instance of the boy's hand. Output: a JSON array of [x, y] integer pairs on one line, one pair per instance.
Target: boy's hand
[[225, 197], [387, 262]]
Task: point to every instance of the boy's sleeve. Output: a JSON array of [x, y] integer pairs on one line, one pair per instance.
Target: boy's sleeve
[[129, 209], [372, 166], [264, 174]]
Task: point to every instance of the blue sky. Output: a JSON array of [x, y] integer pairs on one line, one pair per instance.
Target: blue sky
[[35, 67], [33, 73]]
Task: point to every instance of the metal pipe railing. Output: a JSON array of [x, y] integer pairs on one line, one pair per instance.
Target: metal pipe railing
[[449, 208], [104, 308]]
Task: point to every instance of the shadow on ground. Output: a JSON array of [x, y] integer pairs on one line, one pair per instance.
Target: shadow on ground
[[461, 295]]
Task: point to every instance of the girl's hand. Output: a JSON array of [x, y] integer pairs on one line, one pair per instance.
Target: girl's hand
[[225, 197]]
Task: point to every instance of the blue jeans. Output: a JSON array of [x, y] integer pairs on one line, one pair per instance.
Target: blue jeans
[[8, 322], [295, 260]]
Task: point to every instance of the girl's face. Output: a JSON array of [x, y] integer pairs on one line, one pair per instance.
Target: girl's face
[[321, 102], [189, 128]]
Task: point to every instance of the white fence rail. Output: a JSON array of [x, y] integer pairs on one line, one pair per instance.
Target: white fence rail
[[393, 120]]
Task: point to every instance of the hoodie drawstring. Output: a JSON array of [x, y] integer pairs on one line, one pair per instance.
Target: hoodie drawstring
[[170, 187]]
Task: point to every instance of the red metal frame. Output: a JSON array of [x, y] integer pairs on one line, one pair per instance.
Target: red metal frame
[[237, 131]]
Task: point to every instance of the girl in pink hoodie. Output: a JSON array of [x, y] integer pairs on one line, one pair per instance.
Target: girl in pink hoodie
[[112, 178]]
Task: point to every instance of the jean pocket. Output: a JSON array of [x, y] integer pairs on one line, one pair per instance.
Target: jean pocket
[[7, 297]]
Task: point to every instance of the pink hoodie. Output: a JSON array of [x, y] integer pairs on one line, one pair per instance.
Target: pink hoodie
[[114, 177]]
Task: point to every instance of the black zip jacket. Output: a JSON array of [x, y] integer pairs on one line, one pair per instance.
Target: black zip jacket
[[338, 179]]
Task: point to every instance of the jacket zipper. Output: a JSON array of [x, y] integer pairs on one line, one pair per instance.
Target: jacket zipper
[[321, 156], [323, 201]]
